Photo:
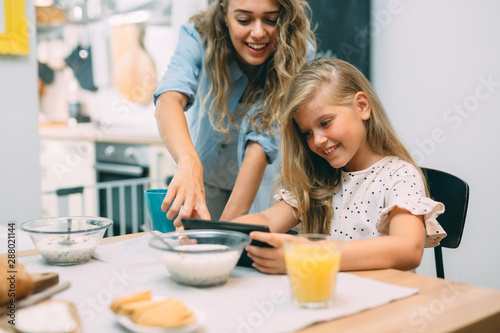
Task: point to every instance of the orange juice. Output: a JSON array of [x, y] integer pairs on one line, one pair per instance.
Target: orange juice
[[312, 267]]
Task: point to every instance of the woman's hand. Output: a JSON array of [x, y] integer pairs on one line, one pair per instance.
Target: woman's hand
[[186, 190], [268, 260]]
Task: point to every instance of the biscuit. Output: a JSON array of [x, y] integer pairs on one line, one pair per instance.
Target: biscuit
[[169, 313], [128, 309], [141, 296]]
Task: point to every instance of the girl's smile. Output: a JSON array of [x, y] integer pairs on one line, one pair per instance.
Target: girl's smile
[[329, 151]]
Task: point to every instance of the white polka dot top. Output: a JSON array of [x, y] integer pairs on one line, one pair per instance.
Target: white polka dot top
[[364, 199]]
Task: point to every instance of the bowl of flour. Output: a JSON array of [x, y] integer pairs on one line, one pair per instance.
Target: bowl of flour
[[200, 258], [69, 240]]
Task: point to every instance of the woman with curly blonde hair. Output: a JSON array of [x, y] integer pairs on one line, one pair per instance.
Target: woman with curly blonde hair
[[230, 69]]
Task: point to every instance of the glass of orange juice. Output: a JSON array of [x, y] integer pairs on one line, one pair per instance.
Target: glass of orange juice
[[312, 264]]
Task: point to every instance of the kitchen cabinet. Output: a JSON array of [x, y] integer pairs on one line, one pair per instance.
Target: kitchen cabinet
[[67, 163], [162, 164], [67, 159]]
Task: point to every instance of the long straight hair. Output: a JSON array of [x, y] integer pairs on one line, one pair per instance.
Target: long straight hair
[[308, 176], [266, 91]]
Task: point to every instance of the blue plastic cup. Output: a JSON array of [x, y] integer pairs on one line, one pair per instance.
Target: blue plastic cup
[[153, 199]]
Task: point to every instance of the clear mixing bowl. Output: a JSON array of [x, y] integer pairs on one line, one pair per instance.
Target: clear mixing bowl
[[68, 240], [201, 258]]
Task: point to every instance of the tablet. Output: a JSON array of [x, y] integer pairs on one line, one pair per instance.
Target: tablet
[[189, 223], [245, 261]]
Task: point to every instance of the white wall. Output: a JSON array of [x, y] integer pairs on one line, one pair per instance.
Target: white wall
[[19, 166], [430, 62]]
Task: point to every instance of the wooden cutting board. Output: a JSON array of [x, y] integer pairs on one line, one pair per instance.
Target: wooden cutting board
[[25, 283], [134, 71], [42, 281], [39, 282]]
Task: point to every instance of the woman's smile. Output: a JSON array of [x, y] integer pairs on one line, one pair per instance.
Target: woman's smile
[[257, 48]]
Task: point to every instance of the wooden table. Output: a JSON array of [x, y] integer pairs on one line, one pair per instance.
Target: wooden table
[[440, 305]]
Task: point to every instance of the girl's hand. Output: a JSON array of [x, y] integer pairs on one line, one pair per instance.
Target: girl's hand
[[268, 260], [186, 190]]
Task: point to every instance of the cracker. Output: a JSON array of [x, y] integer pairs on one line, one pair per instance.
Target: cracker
[[169, 313], [128, 309], [141, 296]]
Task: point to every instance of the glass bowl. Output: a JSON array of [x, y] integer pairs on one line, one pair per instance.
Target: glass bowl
[[201, 258], [69, 240]]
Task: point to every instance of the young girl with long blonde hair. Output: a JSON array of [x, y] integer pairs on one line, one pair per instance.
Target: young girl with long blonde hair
[[346, 173]]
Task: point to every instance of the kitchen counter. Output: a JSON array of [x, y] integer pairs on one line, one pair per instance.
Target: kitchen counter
[[94, 133]]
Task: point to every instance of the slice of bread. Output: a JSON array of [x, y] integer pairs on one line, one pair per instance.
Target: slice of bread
[[22, 279]]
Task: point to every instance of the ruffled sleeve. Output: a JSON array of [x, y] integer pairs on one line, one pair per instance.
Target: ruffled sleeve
[[290, 199], [287, 197], [424, 206]]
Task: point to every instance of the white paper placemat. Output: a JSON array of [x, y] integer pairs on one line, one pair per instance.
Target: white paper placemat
[[248, 302]]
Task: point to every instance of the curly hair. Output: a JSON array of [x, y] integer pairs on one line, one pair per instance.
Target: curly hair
[[266, 91], [308, 176]]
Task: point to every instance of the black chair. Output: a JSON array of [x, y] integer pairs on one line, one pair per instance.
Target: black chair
[[453, 192]]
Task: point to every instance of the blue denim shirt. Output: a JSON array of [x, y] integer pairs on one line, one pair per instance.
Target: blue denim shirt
[[221, 160]]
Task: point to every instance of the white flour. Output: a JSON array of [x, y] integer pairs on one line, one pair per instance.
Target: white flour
[[79, 251], [201, 269]]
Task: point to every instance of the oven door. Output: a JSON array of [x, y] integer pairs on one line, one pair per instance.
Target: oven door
[[116, 201]]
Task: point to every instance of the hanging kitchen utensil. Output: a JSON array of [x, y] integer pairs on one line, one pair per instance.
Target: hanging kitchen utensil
[[45, 73], [134, 71], [50, 15], [80, 61]]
